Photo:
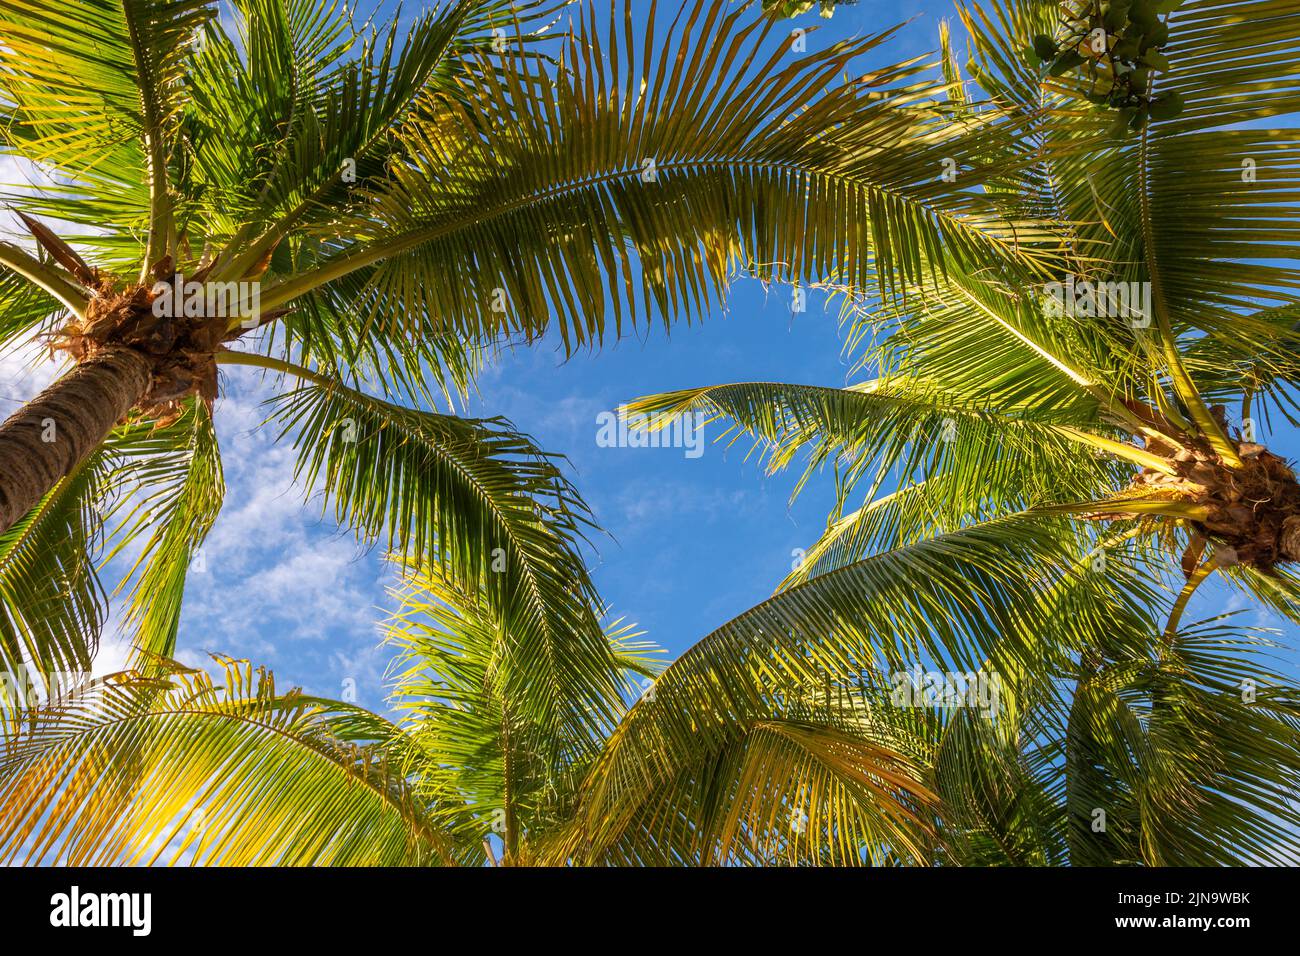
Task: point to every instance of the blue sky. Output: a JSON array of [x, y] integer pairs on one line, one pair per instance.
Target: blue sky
[[691, 541]]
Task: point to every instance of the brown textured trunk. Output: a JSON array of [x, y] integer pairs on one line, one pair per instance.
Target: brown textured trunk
[[51, 434], [1290, 540]]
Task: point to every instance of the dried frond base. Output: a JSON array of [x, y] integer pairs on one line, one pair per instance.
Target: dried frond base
[[1254, 510], [181, 349]]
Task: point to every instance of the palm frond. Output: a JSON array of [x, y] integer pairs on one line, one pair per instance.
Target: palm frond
[[668, 155], [466, 694], [476, 501], [94, 779], [52, 605], [173, 488], [118, 125], [969, 459], [1191, 754], [808, 655]]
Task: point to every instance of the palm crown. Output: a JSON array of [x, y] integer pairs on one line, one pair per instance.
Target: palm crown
[[399, 208]]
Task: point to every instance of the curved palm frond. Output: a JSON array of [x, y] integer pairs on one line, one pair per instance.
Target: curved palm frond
[[24, 305], [821, 653], [474, 500], [897, 428], [52, 605], [1190, 751], [692, 157], [93, 779], [805, 788], [462, 687], [117, 127], [174, 491], [1193, 204]]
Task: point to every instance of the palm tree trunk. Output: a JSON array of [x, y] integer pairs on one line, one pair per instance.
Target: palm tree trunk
[[51, 434]]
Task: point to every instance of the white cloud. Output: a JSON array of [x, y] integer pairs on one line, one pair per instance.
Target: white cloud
[[25, 369], [282, 585]]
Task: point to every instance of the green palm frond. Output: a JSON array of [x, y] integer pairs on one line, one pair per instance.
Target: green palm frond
[[330, 116], [221, 135], [118, 126], [466, 694], [52, 606], [1263, 384], [1001, 775], [93, 779], [1005, 344], [995, 813], [1194, 204], [1190, 752], [474, 500], [24, 306], [1279, 591], [883, 428], [783, 791], [176, 476], [126, 57], [164, 481], [661, 154], [1207, 217], [809, 652], [887, 522], [1198, 207]]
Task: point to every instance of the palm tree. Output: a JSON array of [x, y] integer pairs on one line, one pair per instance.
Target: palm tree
[[372, 215], [1027, 540], [1025, 468]]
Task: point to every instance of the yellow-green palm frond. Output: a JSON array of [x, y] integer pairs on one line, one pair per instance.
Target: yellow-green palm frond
[[634, 180], [325, 90], [995, 812], [1189, 750], [970, 462], [472, 500], [52, 605], [211, 129], [148, 494], [467, 692], [807, 655], [780, 791], [172, 489], [93, 87], [24, 307], [1195, 203], [175, 767]]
